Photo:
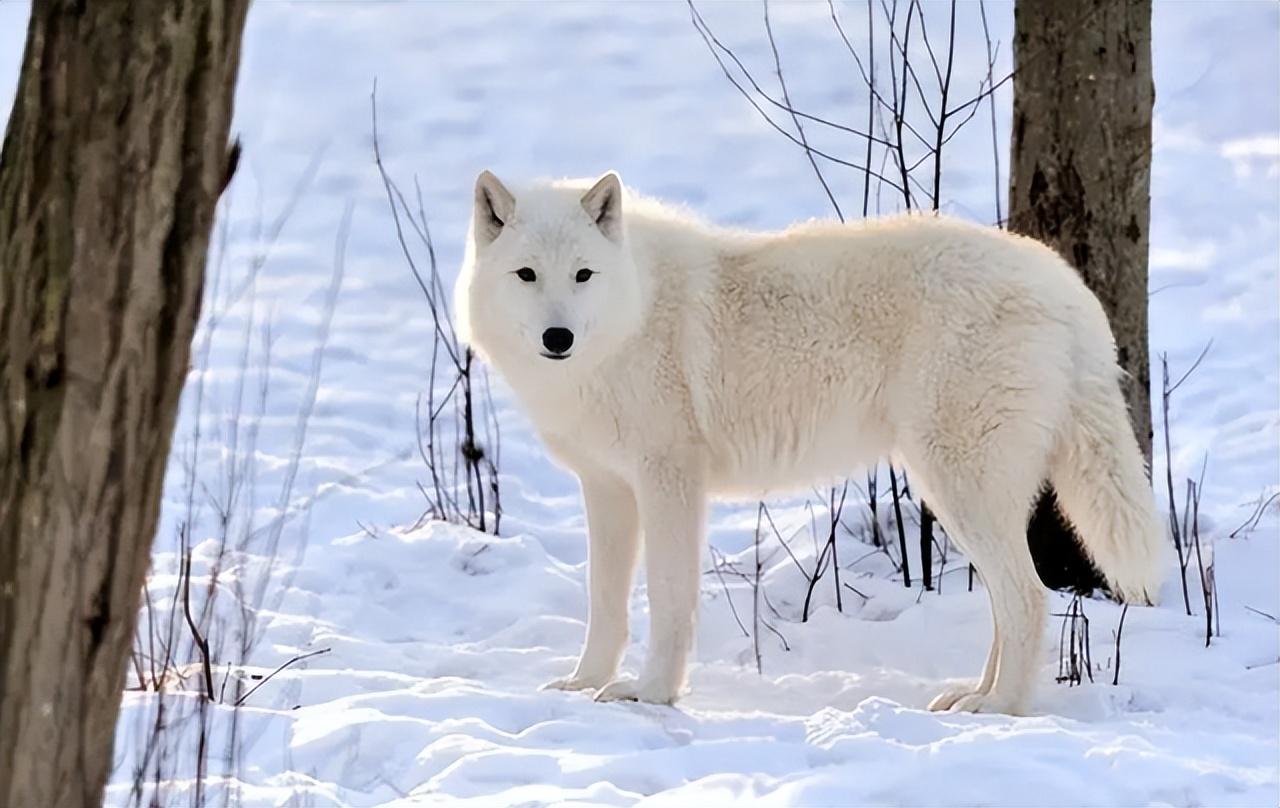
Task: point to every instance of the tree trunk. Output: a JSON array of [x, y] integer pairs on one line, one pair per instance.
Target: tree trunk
[[1080, 181], [114, 157]]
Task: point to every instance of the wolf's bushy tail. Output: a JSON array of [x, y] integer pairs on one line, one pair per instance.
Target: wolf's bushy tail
[[1103, 490]]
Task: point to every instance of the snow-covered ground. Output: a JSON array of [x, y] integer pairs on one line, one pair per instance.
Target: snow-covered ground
[[440, 637]]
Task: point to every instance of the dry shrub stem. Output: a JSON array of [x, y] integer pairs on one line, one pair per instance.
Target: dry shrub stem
[[460, 452]]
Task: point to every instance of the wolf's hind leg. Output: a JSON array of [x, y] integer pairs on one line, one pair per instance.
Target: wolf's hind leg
[[982, 486], [997, 547], [948, 697]]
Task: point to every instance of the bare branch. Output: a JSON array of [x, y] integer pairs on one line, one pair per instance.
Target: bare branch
[[272, 675], [804, 141]]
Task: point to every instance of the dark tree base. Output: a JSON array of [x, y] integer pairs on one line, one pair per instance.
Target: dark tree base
[[1060, 560]]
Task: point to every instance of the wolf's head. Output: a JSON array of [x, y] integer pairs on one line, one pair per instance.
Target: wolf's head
[[548, 278]]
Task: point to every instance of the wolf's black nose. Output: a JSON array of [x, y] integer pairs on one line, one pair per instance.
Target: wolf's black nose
[[557, 340]]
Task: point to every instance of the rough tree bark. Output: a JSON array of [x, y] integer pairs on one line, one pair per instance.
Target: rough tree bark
[[113, 160], [1080, 180]]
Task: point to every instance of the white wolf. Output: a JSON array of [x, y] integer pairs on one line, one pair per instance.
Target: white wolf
[[665, 360]]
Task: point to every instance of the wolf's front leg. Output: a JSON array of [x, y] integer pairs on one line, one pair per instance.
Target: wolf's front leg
[[672, 503], [613, 538]]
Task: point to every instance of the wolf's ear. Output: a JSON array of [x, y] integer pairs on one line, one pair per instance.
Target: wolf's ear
[[494, 207], [603, 203]]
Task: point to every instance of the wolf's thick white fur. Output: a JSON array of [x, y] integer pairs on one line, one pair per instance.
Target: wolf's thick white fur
[[710, 362]]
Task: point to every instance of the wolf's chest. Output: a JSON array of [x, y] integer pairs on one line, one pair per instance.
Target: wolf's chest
[[587, 427]]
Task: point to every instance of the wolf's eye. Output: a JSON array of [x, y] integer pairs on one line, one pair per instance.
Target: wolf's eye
[[583, 275], [527, 275]]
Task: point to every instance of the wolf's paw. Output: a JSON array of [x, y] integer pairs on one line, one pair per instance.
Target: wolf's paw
[[947, 699], [619, 690], [635, 690], [986, 703], [575, 681]]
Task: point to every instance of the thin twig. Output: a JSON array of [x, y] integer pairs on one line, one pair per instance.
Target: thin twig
[[1115, 678], [272, 675], [804, 141], [1255, 517], [1267, 615]]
